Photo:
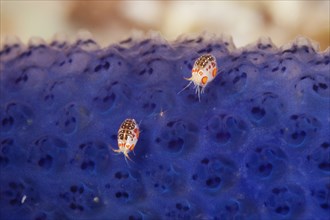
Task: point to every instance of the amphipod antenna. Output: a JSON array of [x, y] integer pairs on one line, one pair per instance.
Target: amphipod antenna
[[118, 151], [191, 81]]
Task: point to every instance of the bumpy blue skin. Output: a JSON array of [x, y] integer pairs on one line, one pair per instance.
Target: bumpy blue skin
[[255, 147]]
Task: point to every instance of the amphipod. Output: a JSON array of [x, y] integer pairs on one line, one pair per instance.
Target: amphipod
[[128, 135], [203, 72]]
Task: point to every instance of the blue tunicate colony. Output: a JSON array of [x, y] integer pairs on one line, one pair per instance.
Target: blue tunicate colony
[[255, 147]]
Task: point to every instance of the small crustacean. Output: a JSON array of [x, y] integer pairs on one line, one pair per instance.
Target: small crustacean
[[128, 135], [203, 72]]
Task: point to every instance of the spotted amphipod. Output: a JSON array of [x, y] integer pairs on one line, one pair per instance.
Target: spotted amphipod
[[203, 72], [128, 135]]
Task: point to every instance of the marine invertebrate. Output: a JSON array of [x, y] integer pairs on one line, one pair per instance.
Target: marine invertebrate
[[128, 135], [203, 72]]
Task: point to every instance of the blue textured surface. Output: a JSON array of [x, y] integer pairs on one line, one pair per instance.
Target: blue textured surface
[[255, 147]]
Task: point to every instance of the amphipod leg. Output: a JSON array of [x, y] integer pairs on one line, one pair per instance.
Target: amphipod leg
[[198, 91], [185, 87], [126, 156], [118, 151]]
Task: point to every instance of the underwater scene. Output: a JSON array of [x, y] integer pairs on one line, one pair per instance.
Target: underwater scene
[[250, 141]]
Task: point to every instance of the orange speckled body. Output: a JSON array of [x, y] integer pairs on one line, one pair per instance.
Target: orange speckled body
[[203, 72], [128, 135]]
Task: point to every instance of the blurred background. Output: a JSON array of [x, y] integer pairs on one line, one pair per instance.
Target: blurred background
[[112, 21]]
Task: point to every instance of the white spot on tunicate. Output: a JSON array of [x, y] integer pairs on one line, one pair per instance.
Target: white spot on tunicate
[[96, 199], [23, 199], [162, 113]]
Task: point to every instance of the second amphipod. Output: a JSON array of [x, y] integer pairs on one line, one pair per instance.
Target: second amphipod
[[203, 72], [128, 135]]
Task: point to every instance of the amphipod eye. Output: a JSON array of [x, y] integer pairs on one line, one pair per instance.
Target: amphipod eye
[[203, 72], [128, 135]]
